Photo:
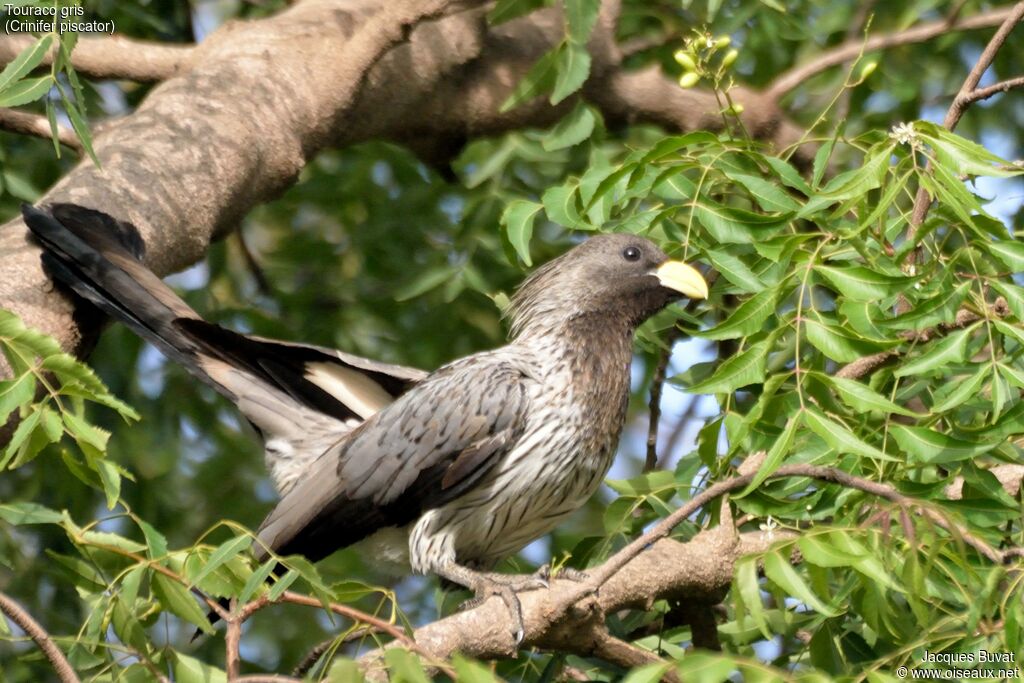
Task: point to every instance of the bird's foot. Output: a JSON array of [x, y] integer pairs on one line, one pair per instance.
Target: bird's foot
[[505, 587]]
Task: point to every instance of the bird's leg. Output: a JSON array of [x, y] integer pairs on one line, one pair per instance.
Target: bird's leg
[[486, 584]]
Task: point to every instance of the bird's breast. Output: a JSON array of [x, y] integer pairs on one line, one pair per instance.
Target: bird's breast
[[568, 441]]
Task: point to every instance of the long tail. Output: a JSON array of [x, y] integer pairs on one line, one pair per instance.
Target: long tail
[[301, 398], [99, 258]]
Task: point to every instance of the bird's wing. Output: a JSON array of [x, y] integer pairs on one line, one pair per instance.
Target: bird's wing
[[272, 382], [423, 450]]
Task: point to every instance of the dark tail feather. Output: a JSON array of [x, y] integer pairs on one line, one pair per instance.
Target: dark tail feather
[[98, 258]]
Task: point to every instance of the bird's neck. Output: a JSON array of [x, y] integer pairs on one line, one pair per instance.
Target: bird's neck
[[597, 347]]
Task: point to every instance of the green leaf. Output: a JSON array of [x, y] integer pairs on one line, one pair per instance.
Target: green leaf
[[746, 319], [960, 390], [110, 478], [28, 90], [15, 393], [560, 206], [744, 368], [768, 195], [860, 181], [572, 129], [952, 349], [404, 666], [257, 579], [21, 436], [840, 344], [573, 68], [581, 15], [81, 430], [821, 158], [176, 598], [749, 591], [106, 539], [938, 309], [781, 573], [928, 446], [734, 270], [729, 225], [156, 543], [224, 552], [27, 59], [652, 673], [17, 514], [1010, 252], [190, 670], [963, 156], [536, 82], [518, 221], [282, 584], [862, 397], [788, 174], [776, 454], [817, 551], [863, 284], [839, 437], [80, 127]]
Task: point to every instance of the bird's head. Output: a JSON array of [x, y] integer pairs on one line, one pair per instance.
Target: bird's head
[[613, 279]]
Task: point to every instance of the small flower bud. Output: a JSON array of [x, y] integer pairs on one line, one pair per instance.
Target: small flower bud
[[729, 58], [689, 79], [723, 42], [684, 60], [868, 69]]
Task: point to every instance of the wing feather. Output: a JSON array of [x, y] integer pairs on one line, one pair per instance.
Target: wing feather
[[423, 450]]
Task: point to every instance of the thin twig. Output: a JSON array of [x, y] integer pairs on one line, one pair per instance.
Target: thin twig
[[352, 613], [657, 385], [979, 94], [232, 644], [24, 123], [262, 283], [964, 98], [850, 49], [42, 639]]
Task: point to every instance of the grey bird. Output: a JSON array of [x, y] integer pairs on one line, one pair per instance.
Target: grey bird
[[470, 463]]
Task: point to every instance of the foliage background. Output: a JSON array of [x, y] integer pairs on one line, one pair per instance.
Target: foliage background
[[379, 254]]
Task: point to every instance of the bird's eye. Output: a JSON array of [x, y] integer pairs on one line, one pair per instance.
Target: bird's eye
[[631, 254]]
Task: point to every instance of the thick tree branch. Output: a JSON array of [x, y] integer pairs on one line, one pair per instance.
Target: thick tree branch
[[24, 123], [42, 639], [113, 57], [851, 49]]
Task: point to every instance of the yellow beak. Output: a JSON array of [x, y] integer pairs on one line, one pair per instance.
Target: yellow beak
[[682, 278]]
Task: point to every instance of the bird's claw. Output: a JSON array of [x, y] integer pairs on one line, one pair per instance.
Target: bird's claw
[[506, 590]]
